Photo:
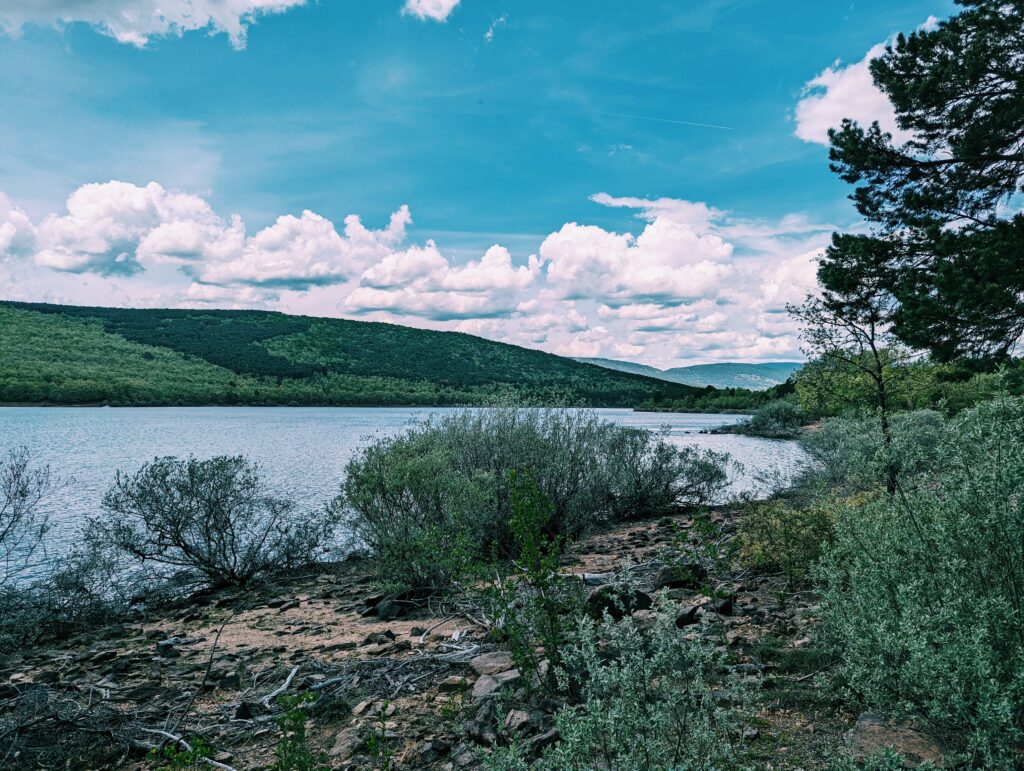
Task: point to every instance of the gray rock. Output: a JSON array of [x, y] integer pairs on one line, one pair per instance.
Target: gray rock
[[491, 663], [873, 733]]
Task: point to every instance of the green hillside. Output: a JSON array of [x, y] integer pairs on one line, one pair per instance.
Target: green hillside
[[53, 354], [752, 377]]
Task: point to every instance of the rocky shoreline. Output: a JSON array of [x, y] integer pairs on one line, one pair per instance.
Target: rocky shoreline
[[395, 684]]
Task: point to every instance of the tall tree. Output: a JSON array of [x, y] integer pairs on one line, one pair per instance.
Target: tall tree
[[946, 243]]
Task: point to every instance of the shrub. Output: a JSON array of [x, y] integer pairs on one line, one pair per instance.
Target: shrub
[[778, 536], [925, 588], [648, 701], [848, 454], [22, 524], [211, 521], [430, 502], [775, 420], [534, 610]]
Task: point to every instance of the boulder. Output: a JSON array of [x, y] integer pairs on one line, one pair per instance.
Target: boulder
[[872, 734]]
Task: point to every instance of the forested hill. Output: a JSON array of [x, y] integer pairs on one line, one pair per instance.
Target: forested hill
[[54, 354]]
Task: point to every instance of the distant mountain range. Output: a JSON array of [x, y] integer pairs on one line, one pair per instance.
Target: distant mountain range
[[755, 377]]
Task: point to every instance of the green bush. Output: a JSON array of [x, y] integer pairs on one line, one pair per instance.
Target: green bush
[[924, 589], [432, 501], [535, 607], [647, 701], [777, 536], [212, 522], [776, 420], [848, 454]]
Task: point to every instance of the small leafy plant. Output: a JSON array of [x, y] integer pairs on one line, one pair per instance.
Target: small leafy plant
[[293, 752]]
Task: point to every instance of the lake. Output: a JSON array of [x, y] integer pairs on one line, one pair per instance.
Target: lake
[[301, 450]]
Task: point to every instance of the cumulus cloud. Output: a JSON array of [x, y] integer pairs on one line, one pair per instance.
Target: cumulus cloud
[[17, 236], [849, 91], [135, 22], [676, 258], [438, 10], [420, 281], [688, 283]]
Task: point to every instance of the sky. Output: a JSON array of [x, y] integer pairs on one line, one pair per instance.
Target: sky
[[645, 180]]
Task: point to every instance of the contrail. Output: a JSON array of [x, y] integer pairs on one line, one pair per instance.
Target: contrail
[[666, 120]]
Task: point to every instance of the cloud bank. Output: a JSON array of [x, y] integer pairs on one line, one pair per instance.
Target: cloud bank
[[689, 283]]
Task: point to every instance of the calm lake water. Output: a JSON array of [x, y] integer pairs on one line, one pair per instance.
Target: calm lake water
[[302, 450]]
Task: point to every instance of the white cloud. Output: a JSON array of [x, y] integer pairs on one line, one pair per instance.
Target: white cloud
[[438, 10], [848, 92], [420, 281], [677, 257], [17, 236], [845, 92], [136, 21]]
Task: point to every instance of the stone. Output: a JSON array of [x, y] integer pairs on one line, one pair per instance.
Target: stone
[[539, 743], [616, 602], [645, 620], [873, 733], [687, 616], [167, 649], [288, 606], [723, 606], [492, 663], [681, 576], [347, 743], [453, 684], [488, 685], [517, 721], [388, 610]]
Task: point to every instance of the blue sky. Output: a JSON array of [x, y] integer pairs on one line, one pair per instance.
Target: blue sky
[[495, 122]]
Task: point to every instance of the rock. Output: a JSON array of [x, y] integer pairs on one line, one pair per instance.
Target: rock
[[517, 720], [453, 684], [492, 663], [288, 606], [388, 610], [247, 710], [872, 734], [347, 743], [488, 685], [645, 620], [723, 606], [167, 649], [681, 576], [687, 616], [231, 680], [616, 602], [595, 579], [538, 743], [379, 638], [482, 729], [340, 646]]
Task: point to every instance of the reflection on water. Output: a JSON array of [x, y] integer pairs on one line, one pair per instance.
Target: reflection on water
[[302, 450]]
